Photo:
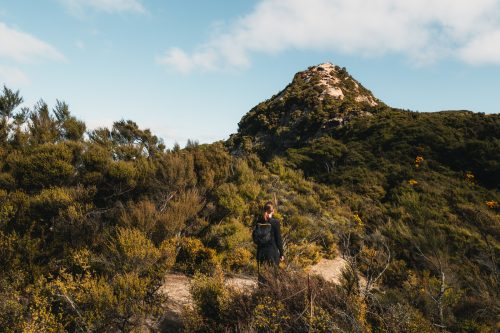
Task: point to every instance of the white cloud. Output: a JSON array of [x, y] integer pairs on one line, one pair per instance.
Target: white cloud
[[108, 6], [185, 63], [422, 30], [12, 76], [484, 49], [22, 47]]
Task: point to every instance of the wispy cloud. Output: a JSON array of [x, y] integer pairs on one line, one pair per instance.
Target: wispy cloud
[[185, 63], [23, 47], [108, 6], [13, 76], [422, 30]]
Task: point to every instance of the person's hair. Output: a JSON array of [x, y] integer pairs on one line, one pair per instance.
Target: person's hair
[[268, 206]]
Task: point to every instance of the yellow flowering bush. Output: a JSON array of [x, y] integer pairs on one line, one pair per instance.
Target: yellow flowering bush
[[269, 315], [193, 256]]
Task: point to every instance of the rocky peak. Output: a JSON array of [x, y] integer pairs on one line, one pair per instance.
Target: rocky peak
[[335, 82], [318, 101]]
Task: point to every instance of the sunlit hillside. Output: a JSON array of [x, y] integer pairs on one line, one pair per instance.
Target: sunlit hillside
[[92, 221]]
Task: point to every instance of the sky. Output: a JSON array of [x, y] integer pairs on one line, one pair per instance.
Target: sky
[[191, 69]]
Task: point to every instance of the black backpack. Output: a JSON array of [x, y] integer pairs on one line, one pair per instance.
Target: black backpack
[[262, 233]]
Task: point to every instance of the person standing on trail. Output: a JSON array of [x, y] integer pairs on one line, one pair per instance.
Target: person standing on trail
[[267, 236]]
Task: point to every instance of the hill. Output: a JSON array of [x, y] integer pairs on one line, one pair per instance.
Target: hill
[[91, 222]]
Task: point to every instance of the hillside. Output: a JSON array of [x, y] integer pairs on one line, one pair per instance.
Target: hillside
[[92, 222], [428, 182], [318, 99]]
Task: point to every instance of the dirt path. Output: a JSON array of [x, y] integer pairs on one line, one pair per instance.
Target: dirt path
[[329, 269], [176, 286]]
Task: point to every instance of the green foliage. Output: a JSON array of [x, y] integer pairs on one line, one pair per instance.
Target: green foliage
[[41, 317], [321, 155], [49, 202], [284, 304], [240, 260], [47, 165], [179, 213], [229, 199], [427, 181], [141, 215], [104, 304], [90, 223], [270, 315], [132, 251], [123, 172], [70, 127], [210, 295], [303, 255], [193, 256]]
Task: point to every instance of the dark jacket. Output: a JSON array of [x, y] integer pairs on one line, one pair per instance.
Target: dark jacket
[[271, 253]]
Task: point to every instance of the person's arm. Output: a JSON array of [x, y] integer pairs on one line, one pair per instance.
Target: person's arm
[[277, 237]]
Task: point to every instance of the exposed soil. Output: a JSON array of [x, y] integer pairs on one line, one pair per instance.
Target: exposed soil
[[176, 288], [329, 269]]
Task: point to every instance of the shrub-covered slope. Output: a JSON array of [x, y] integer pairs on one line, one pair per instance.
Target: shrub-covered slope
[[90, 221], [426, 182]]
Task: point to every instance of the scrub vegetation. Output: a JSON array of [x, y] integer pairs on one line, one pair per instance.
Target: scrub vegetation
[[90, 221]]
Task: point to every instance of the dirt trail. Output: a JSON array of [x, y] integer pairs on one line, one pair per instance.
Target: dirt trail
[[329, 269], [176, 286]]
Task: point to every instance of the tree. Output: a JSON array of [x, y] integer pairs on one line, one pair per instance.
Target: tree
[[9, 101]]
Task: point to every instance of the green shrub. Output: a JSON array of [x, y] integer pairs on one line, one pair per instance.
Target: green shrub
[[132, 251], [193, 256]]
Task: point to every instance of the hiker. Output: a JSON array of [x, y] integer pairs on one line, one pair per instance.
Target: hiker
[[267, 236]]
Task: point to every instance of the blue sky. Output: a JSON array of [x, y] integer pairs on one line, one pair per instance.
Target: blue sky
[[192, 69]]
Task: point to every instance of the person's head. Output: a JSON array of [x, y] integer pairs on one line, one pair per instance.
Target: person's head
[[268, 209]]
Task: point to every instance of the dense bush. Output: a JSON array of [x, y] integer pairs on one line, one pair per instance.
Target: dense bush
[[91, 221], [295, 302]]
